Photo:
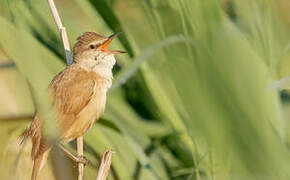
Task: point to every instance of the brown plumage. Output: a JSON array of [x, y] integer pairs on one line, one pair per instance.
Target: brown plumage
[[78, 93]]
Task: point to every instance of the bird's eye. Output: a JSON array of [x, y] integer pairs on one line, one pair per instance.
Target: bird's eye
[[92, 46]]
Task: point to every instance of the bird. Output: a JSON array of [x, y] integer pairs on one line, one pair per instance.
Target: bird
[[78, 96]]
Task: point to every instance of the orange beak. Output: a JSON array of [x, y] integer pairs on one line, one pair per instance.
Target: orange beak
[[108, 41]]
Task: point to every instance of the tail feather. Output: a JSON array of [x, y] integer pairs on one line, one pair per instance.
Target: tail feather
[[40, 146], [39, 162]]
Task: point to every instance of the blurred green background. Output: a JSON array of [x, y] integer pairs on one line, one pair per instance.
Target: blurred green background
[[201, 94]]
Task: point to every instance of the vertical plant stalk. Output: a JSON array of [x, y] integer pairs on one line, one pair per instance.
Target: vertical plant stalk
[[80, 150], [61, 30], [105, 165]]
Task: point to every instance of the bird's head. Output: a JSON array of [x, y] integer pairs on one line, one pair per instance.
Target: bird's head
[[92, 48]]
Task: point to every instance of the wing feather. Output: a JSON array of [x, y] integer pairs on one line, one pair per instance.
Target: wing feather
[[71, 90]]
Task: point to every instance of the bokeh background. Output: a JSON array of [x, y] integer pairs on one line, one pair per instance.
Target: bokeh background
[[201, 94]]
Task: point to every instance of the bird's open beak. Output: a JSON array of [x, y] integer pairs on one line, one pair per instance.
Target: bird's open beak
[[108, 41]]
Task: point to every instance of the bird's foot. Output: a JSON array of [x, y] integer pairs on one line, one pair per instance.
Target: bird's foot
[[82, 159], [77, 159]]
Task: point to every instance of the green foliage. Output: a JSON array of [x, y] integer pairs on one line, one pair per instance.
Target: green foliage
[[191, 100]]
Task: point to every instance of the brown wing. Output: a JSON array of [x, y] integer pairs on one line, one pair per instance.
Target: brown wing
[[71, 90]]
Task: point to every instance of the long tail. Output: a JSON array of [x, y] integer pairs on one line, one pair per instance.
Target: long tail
[[40, 146], [39, 162]]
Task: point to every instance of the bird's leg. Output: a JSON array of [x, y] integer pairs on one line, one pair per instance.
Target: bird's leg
[[77, 159]]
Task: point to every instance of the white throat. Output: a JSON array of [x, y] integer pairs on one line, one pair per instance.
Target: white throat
[[100, 64], [104, 70]]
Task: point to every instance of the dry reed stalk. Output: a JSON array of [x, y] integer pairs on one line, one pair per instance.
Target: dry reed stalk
[[105, 165], [80, 150], [61, 30]]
